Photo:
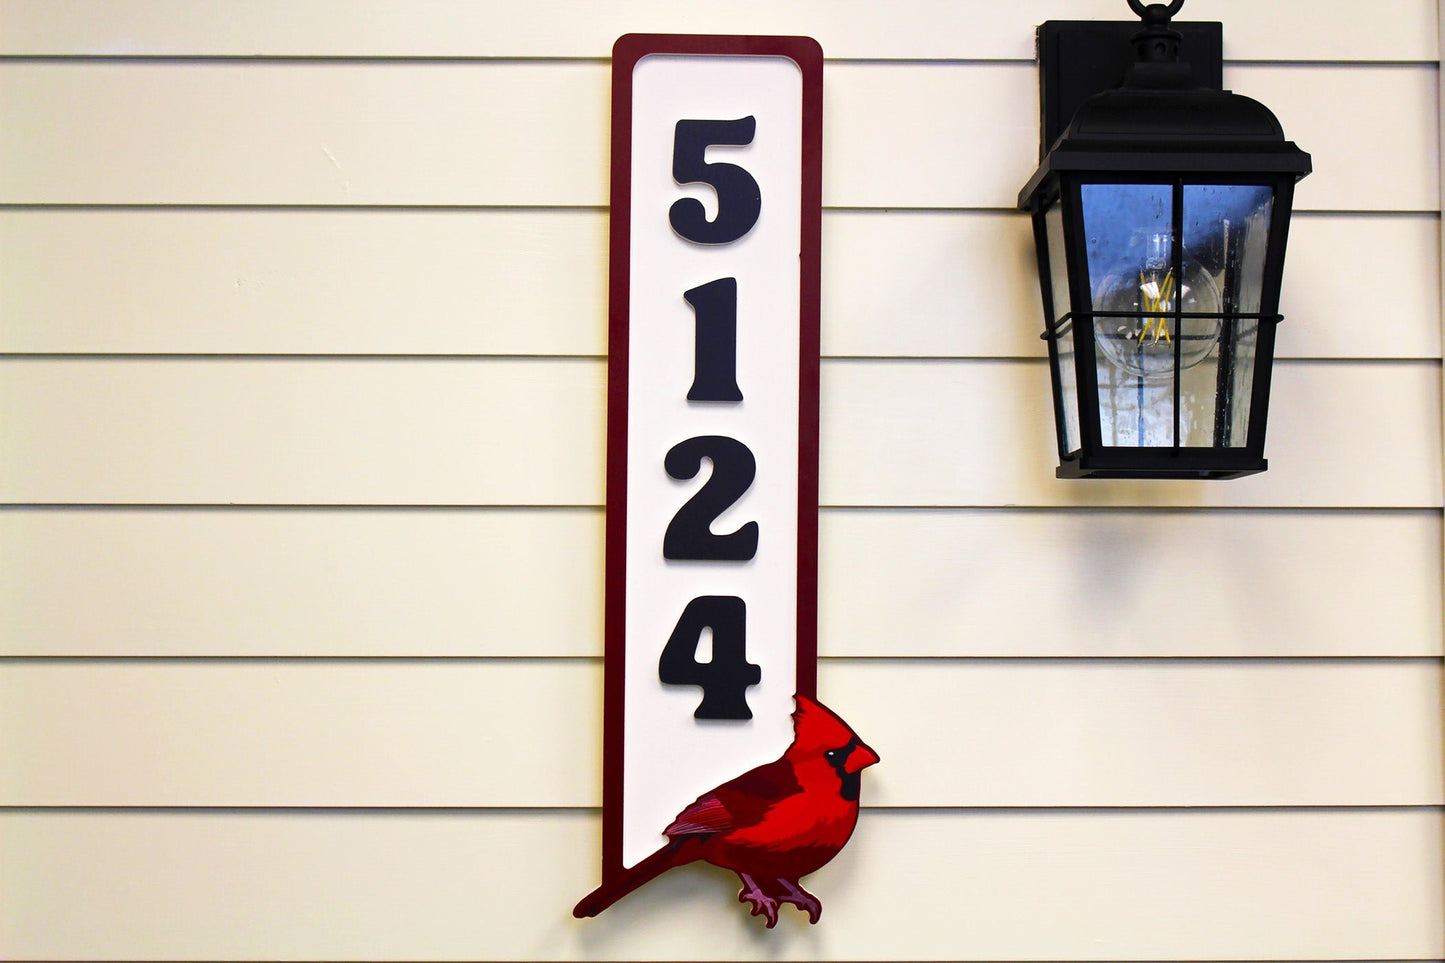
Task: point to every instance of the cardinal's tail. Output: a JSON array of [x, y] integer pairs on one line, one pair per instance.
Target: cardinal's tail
[[675, 853]]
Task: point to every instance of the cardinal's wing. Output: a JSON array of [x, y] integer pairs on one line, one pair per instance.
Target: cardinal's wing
[[738, 802], [705, 817]]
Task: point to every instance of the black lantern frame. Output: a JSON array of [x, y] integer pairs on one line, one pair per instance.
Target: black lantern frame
[[1161, 214]]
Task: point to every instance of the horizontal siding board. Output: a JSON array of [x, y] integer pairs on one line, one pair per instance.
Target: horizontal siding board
[[304, 133], [456, 582], [302, 734], [289, 432], [1326, 304], [981, 434], [344, 133], [530, 432], [1343, 112], [304, 282], [915, 29], [965, 284], [465, 734], [502, 282], [887, 145], [1093, 583], [249, 583], [921, 886]]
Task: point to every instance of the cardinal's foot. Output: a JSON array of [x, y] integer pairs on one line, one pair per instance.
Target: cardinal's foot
[[802, 899], [762, 904]]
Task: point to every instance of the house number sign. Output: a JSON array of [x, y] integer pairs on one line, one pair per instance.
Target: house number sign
[[712, 438]]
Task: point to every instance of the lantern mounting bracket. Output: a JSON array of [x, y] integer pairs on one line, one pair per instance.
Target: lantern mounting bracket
[[1081, 58]]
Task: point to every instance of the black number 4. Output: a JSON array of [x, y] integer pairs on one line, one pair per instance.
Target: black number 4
[[725, 679], [739, 201]]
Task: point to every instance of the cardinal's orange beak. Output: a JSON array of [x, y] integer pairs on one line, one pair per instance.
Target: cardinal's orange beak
[[859, 759]]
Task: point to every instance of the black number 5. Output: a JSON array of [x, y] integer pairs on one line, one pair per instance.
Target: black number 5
[[738, 199]]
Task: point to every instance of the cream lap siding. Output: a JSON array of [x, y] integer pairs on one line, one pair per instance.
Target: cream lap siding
[[302, 324]]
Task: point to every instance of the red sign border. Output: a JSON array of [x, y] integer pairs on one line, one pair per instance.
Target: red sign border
[[626, 52]]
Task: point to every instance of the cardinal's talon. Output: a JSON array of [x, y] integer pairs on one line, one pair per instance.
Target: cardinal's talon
[[762, 904], [814, 909], [802, 899]]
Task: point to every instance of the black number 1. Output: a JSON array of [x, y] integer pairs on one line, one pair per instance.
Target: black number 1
[[715, 341]]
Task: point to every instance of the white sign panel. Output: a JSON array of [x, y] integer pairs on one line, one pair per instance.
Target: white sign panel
[[712, 435]]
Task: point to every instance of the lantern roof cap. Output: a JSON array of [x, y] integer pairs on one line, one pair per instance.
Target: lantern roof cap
[[1159, 107], [1161, 121]]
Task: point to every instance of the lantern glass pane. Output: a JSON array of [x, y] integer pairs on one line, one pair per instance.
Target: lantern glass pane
[[1068, 385], [1120, 222], [1226, 228], [1129, 245], [1058, 264], [1167, 323], [1135, 282], [1134, 412], [1199, 384], [1237, 379]]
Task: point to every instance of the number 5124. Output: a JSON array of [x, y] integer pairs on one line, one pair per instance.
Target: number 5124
[[725, 679]]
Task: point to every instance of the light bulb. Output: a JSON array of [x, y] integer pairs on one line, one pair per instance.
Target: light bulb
[[1143, 347]]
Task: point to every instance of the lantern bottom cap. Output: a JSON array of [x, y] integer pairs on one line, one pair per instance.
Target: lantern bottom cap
[[1073, 469]]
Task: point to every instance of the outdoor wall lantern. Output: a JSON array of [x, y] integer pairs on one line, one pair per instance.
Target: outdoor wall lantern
[[1160, 211]]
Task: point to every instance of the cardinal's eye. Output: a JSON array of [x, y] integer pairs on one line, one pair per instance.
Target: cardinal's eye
[[836, 757]]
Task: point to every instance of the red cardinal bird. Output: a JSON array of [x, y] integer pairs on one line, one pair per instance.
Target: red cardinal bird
[[772, 825]]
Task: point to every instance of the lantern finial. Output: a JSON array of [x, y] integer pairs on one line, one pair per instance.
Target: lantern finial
[[1158, 42], [1156, 13]]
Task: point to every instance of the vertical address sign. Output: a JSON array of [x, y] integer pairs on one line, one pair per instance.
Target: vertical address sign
[[712, 438]]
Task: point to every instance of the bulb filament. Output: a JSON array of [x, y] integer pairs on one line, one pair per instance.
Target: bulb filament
[[1156, 297]]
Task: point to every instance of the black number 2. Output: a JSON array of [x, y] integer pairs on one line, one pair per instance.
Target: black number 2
[[689, 535], [739, 201], [726, 678]]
